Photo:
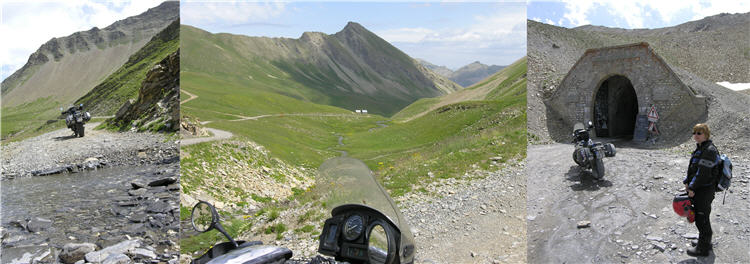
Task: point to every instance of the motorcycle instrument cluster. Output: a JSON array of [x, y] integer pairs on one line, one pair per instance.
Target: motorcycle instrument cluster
[[354, 224]]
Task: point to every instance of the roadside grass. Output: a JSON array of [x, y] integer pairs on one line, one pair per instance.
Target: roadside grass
[[403, 154], [305, 141], [196, 245], [218, 98], [32, 119]]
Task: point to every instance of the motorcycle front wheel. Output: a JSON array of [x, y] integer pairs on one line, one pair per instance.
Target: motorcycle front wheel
[[79, 127]]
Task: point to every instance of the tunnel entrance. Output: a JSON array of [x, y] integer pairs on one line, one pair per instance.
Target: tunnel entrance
[[615, 108]]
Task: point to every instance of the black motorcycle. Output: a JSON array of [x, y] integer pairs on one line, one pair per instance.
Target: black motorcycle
[[589, 154], [75, 118], [365, 225]]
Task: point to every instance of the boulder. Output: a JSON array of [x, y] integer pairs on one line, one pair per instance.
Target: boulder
[[119, 248], [73, 252], [38, 224]]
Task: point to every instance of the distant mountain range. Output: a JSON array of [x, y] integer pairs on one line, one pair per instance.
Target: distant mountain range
[[465, 76], [352, 69]]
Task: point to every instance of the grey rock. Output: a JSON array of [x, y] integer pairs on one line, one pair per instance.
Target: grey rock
[[584, 224], [690, 235], [163, 182], [117, 259], [73, 252], [159, 207], [137, 192], [658, 245], [38, 224], [137, 185], [119, 248], [143, 254]]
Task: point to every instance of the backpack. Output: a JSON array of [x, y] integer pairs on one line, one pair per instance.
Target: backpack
[[725, 173]]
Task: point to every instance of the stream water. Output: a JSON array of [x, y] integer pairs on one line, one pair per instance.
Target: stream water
[[100, 207]]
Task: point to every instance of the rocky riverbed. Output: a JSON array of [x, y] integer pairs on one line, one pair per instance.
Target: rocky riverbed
[[121, 210], [627, 217], [105, 198]]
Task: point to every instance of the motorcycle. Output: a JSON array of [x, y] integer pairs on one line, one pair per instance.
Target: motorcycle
[[365, 225], [75, 118], [589, 154]]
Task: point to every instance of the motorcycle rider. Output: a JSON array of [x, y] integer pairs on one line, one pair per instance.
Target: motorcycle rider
[[700, 184]]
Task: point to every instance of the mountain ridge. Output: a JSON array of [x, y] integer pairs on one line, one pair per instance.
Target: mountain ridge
[[465, 76], [351, 69], [106, 49]]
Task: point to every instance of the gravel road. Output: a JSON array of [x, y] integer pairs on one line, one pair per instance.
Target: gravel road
[[58, 149], [470, 221], [630, 210]]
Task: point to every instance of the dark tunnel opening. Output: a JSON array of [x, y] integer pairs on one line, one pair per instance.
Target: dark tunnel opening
[[615, 108]]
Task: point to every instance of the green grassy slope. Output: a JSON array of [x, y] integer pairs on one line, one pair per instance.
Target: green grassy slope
[[507, 84], [352, 69], [107, 97]]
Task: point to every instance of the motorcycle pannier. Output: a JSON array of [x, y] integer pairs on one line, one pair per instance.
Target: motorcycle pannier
[[609, 150]]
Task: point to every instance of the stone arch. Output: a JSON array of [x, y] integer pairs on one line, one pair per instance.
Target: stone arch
[[615, 107]]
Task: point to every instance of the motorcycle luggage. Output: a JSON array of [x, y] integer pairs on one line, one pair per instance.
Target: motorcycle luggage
[[609, 150], [582, 156], [86, 116]]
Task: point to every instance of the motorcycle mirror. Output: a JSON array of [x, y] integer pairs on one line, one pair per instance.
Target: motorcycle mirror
[[378, 245], [203, 217]]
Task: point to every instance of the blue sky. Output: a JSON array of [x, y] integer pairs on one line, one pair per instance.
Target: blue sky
[[630, 14], [452, 34], [26, 25]]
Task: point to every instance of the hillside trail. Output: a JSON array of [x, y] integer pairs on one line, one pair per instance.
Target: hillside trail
[[192, 96], [630, 210]]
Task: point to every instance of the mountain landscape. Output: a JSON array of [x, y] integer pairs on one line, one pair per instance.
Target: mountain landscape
[[465, 76], [278, 108], [701, 52], [622, 216], [352, 69], [65, 69]]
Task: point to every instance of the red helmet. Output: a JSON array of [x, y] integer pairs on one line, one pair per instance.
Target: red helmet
[[683, 207]]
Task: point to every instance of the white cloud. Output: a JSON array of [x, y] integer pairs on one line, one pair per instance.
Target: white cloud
[[638, 13], [484, 29], [230, 12], [575, 12], [499, 37], [25, 26]]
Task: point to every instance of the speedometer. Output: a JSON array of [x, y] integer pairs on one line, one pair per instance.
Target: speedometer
[[353, 227]]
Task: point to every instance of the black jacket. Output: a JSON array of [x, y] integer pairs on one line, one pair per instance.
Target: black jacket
[[701, 170]]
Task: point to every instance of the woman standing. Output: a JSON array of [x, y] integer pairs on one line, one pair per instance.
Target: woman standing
[[700, 185]]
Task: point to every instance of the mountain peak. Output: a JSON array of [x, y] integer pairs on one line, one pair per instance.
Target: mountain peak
[[353, 28]]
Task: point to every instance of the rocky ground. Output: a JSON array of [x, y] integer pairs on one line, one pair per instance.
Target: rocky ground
[[114, 201], [470, 221], [626, 217], [59, 152]]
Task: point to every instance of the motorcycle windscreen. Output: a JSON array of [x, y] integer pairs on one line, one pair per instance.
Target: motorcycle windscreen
[[578, 125], [349, 181]]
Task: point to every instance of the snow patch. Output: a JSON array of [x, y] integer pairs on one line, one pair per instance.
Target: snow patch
[[735, 86]]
